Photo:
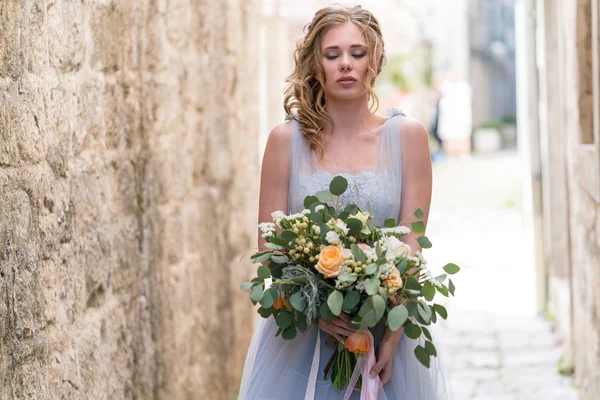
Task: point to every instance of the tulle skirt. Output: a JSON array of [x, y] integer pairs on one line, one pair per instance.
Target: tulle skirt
[[277, 369]]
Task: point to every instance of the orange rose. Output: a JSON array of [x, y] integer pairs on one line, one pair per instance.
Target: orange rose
[[394, 281], [330, 261], [358, 342], [280, 302]]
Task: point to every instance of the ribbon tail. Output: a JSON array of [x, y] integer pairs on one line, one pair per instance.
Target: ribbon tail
[[370, 387], [311, 387], [358, 368]]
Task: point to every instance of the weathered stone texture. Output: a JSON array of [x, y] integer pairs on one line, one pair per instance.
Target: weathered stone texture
[[583, 163], [128, 197]]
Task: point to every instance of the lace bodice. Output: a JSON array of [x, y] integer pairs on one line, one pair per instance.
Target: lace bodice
[[379, 189]]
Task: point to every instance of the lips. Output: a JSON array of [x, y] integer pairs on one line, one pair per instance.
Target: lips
[[347, 79]]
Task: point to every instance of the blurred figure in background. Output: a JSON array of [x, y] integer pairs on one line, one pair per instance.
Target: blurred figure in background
[[454, 125]]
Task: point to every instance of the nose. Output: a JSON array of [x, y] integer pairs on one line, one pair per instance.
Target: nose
[[345, 64]]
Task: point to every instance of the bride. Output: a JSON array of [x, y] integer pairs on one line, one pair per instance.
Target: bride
[[332, 129]]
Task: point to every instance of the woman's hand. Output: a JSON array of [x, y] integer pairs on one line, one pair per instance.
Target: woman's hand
[[385, 355], [338, 327]]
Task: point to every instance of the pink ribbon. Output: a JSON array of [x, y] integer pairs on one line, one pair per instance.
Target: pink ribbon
[[370, 386]]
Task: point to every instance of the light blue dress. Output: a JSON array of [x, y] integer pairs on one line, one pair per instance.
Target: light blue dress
[[276, 369]]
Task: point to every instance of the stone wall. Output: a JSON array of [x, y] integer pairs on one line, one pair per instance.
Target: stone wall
[[128, 196], [575, 109]]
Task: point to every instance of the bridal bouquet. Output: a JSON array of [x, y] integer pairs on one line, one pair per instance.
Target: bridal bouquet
[[325, 261]]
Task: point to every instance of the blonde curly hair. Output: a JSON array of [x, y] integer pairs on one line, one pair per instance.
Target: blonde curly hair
[[304, 96]]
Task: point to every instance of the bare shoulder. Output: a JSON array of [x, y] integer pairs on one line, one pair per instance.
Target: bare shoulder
[[278, 149], [413, 130], [280, 137], [414, 141]]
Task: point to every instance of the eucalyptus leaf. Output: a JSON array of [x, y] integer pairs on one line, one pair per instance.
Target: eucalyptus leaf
[[335, 301], [369, 319], [433, 315], [419, 213], [424, 242], [426, 333], [379, 306], [411, 330], [280, 259], [358, 254], [418, 227], [378, 250], [451, 287], [430, 349], [273, 246], [411, 306], [372, 285], [397, 317], [354, 226], [289, 333], [265, 312], [422, 355], [441, 278], [338, 185], [365, 308], [262, 257], [389, 223], [370, 269], [351, 299], [256, 293], [269, 297], [424, 312], [288, 236], [443, 290], [412, 283], [451, 268], [325, 196], [246, 285], [325, 312], [440, 310], [297, 301], [428, 291], [402, 265], [308, 200], [263, 272], [280, 241], [283, 319]]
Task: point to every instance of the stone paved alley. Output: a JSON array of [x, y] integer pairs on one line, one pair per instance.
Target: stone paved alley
[[496, 346]]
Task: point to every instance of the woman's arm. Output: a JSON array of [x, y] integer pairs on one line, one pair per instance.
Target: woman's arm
[[417, 177], [274, 178]]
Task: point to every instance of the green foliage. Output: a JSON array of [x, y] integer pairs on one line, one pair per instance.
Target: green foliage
[[335, 302], [397, 317]]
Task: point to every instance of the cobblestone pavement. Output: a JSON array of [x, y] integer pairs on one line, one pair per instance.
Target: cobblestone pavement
[[496, 347]]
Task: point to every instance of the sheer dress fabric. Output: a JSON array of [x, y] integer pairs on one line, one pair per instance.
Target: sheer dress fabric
[[276, 369]]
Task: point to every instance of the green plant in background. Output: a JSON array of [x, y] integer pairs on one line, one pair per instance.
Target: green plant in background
[[491, 125], [509, 120]]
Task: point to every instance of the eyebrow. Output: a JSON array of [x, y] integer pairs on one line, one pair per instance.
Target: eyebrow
[[354, 46]]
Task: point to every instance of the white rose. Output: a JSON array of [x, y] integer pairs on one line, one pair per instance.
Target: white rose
[[396, 248], [341, 225], [332, 237]]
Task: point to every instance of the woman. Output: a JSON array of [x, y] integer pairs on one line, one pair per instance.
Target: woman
[[332, 130]]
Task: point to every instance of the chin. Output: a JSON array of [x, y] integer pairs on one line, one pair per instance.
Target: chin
[[350, 94]]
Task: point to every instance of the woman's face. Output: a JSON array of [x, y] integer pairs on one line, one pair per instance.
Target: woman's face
[[345, 61]]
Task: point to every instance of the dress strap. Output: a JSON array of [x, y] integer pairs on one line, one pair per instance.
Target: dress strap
[[393, 111]]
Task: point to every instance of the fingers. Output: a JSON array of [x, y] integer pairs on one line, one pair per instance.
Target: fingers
[[323, 325], [345, 317], [386, 373], [341, 327], [377, 367]]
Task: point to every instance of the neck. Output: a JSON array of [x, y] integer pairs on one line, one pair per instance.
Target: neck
[[350, 117]]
